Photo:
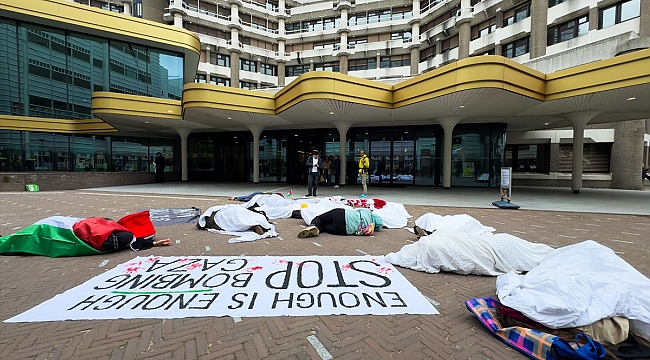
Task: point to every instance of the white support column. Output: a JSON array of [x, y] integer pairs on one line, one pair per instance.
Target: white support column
[[256, 130], [343, 128], [448, 123], [127, 7], [184, 133], [578, 121], [178, 20]]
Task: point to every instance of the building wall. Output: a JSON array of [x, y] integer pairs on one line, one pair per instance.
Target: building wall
[[154, 9], [51, 181], [627, 155]]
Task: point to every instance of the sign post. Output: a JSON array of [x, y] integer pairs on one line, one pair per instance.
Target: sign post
[[505, 188]]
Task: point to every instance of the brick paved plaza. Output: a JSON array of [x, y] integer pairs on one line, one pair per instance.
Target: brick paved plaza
[[26, 281]]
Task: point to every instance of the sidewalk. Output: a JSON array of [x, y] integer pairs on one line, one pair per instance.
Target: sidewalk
[[604, 201], [610, 217]]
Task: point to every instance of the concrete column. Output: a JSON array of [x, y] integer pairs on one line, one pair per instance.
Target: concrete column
[[281, 27], [416, 8], [578, 121], [415, 60], [184, 133], [234, 69], [311, 65], [178, 20], [499, 18], [464, 28], [448, 123], [207, 55], [258, 65], [281, 73], [256, 130], [343, 128], [644, 25], [127, 8], [464, 33], [627, 154], [343, 64], [593, 17], [538, 18], [378, 60], [344, 18]]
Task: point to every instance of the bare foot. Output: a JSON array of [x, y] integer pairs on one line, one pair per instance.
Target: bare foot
[[164, 242]]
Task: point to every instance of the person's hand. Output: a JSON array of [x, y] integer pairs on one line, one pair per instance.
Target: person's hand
[[164, 242]]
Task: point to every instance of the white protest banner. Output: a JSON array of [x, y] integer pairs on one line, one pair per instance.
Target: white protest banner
[[177, 287]]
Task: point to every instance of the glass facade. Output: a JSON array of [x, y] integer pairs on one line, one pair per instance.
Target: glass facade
[[398, 156], [51, 73], [42, 151]]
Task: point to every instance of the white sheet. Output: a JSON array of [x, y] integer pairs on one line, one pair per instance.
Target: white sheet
[[237, 220], [578, 285], [453, 250], [462, 222]]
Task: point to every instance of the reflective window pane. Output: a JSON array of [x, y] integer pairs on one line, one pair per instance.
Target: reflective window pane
[[630, 10]]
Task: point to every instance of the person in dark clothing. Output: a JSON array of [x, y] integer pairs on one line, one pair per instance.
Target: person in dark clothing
[[344, 222], [644, 173], [160, 167], [336, 170], [314, 166]]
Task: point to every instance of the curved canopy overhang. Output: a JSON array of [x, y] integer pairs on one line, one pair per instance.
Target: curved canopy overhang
[[484, 89], [487, 89]]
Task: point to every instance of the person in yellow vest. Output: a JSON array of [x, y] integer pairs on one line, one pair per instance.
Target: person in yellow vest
[[364, 165]]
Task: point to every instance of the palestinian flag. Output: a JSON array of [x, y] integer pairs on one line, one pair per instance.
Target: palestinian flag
[[52, 236], [290, 194]]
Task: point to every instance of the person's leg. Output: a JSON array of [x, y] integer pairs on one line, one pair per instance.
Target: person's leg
[[331, 222], [336, 222], [315, 182], [364, 178], [248, 197], [310, 180]]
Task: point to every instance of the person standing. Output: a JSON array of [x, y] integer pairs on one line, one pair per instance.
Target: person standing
[[160, 167], [644, 173], [327, 166], [336, 170], [314, 165], [364, 165]]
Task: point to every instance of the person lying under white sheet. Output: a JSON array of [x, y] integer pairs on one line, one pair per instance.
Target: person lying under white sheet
[[462, 253]]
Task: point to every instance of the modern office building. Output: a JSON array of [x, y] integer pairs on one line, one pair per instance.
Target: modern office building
[[438, 92]]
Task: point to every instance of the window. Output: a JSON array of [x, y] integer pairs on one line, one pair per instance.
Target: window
[[618, 13], [516, 15], [516, 48], [528, 158], [269, 69], [353, 42], [247, 65], [137, 8], [403, 35], [595, 157], [395, 61], [552, 3], [200, 78], [214, 80], [486, 27], [428, 53], [569, 30], [220, 59], [328, 66], [362, 64], [247, 85], [296, 70]]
